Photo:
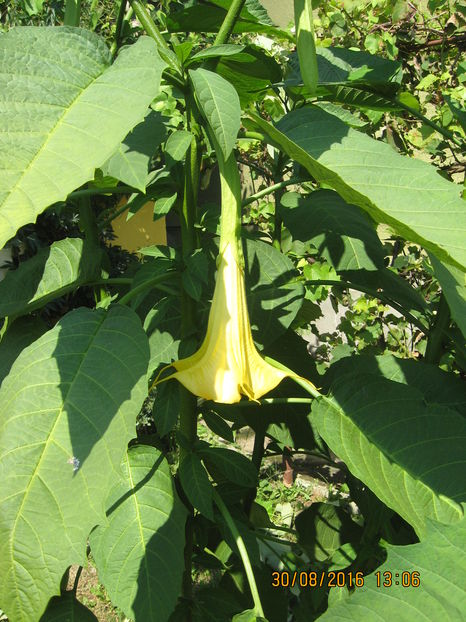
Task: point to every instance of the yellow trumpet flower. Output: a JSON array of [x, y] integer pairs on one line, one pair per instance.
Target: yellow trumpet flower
[[227, 365]]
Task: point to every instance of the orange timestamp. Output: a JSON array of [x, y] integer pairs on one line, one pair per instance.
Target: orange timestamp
[[313, 579]]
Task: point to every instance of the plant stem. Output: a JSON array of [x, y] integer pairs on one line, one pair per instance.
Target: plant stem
[[253, 135], [257, 455], [188, 402], [229, 22], [143, 286], [72, 12], [151, 29], [438, 128], [242, 551], [305, 384], [118, 28], [270, 189], [436, 337], [88, 192], [272, 400]]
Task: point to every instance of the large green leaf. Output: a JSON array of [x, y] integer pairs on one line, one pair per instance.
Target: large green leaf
[[453, 282], [64, 109], [405, 193], [440, 563], [67, 411], [220, 105], [130, 162], [411, 454], [343, 233], [51, 273], [437, 386], [139, 551]]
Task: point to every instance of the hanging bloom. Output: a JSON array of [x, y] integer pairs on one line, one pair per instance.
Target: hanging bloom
[[227, 365]]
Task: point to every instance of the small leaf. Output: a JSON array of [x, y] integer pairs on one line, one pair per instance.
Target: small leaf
[[195, 273], [176, 146], [166, 407], [196, 484], [163, 204], [219, 103], [218, 425], [232, 465]]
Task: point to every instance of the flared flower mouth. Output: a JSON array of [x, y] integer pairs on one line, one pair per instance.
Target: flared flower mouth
[[228, 365]]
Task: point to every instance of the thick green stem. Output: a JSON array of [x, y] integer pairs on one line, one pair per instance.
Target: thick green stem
[[160, 278], [188, 403], [278, 186], [436, 337], [89, 192], [229, 22], [72, 12], [242, 551]]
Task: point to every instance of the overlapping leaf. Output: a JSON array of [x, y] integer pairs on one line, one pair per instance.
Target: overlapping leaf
[[54, 271], [411, 454], [139, 550], [67, 412], [63, 111], [403, 192]]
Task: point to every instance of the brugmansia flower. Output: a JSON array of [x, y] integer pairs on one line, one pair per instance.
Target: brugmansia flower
[[227, 365]]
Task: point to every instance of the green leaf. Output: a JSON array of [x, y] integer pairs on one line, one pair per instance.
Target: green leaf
[[164, 203], [195, 274], [64, 110], [359, 98], [219, 103], [163, 346], [176, 146], [232, 465], [67, 411], [218, 425], [440, 563], [251, 72], [167, 406], [67, 608], [323, 528], [405, 193], [342, 233], [273, 298], [410, 454], [139, 550], [51, 273], [216, 51], [345, 115], [453, 282], [196, 484], [458, 112], [437, 386], [130, 162], [18, 336]]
